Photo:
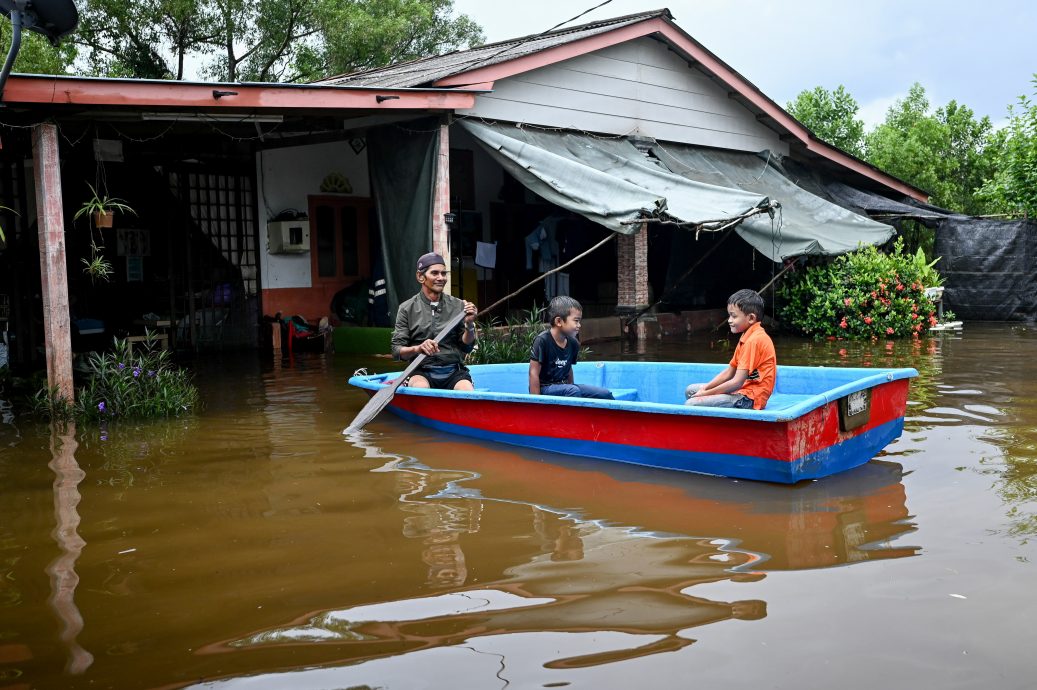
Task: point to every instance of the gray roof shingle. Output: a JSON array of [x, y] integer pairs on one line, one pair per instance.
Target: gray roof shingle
[[426, 71]]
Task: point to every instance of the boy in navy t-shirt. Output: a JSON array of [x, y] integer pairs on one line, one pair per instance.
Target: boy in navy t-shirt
[[555, 351]]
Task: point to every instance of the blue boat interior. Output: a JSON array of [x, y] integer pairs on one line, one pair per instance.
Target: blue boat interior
[[659, 386]]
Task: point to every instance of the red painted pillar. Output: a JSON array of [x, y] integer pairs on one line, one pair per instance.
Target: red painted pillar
[[441, 198], [53, 271]]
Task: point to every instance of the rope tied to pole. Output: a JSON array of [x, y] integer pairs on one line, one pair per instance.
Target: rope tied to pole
[[768, 206]]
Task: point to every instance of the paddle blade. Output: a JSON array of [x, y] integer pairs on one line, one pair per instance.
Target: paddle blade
[[376, 404]]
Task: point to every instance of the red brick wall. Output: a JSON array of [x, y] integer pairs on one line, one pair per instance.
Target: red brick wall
[[632, 267]]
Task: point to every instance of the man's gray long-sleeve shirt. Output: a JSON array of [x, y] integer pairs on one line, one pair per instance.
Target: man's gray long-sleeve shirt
[[417, 321]]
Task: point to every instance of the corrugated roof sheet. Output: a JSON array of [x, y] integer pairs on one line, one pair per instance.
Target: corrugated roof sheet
[[427, 71]]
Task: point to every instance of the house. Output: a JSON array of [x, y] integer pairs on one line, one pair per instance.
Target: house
[[508, 159]]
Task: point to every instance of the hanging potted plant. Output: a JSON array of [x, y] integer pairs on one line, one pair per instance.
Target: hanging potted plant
[[101, 209], [3, 237]]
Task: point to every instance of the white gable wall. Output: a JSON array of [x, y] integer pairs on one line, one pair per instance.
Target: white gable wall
[[636, 88]]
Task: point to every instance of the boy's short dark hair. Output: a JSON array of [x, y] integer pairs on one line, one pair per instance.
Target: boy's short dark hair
[[560, 307], [748, 302]]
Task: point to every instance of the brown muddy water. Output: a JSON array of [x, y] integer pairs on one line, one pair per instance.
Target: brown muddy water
[[252, 546]]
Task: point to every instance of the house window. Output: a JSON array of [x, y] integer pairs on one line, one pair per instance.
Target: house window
[[325, 219], [350, 241], [341, 228]]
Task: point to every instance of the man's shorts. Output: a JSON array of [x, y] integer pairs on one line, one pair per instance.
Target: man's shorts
[[444, 377]]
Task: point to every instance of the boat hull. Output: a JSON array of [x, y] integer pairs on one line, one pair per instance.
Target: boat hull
[[768, 446]]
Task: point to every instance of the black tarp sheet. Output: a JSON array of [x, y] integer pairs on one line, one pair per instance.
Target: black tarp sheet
[[402, 166], [989, 267]]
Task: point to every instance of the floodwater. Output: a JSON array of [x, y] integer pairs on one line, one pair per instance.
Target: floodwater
[[253, 546]]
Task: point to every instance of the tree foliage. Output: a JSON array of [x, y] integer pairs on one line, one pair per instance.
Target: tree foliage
[[948, 152], [832, 116], [149, 39], [363, 35], [943, 152], [263, 40], [1013, 186]]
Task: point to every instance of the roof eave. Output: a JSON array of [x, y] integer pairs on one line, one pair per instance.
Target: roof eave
[[225, 97]]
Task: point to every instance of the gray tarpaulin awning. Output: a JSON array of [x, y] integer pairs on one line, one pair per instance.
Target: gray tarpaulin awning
[[858, 200], [606, 180], [810, 224], [610, 181]]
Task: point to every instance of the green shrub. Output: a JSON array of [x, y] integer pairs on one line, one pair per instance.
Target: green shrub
[[863, 294], [124, 385], [511, 340]]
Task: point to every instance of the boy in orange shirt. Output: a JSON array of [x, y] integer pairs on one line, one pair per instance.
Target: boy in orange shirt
[[748, 380]]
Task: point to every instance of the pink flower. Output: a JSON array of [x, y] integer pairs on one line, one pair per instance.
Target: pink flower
[[847, 301], [889, 331], [842, 324], [900, 286], [867, 320]]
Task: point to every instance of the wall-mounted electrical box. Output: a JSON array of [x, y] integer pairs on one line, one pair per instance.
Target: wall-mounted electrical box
[[288, 236]]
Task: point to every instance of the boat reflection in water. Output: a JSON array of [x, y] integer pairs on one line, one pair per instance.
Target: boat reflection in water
[[617, 553]]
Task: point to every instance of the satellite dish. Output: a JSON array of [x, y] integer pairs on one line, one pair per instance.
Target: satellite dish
[[55, 19]]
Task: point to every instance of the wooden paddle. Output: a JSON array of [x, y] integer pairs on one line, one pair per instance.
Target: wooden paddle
[[385, 394]]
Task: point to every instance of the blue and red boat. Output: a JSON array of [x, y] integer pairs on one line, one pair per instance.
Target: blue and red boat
[[819, 420]]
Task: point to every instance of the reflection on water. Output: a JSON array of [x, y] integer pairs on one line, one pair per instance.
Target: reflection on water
[[437, 524], [253, 546], [586, 573], [63, 578]]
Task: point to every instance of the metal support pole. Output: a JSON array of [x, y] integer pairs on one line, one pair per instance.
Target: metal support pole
[[53, 265]]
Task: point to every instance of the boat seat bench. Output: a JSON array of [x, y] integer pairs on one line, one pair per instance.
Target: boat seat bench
[[624, 393], [778, 401], [617, 393]]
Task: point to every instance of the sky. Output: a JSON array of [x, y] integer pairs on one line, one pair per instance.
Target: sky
[[981, 54]]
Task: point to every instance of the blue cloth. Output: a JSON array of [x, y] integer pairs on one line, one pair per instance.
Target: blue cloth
[[532, 242], [544, 239], [577, 390], [549, 239]]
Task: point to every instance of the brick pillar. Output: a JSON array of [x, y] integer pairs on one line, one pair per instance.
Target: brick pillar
[[441, 198], [53, 271], [632, 267]]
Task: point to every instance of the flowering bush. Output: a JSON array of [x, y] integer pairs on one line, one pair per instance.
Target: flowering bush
[[863, 294], [121, 384]]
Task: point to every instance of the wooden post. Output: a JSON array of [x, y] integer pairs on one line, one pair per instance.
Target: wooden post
[[441, 199], [53, 272]]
